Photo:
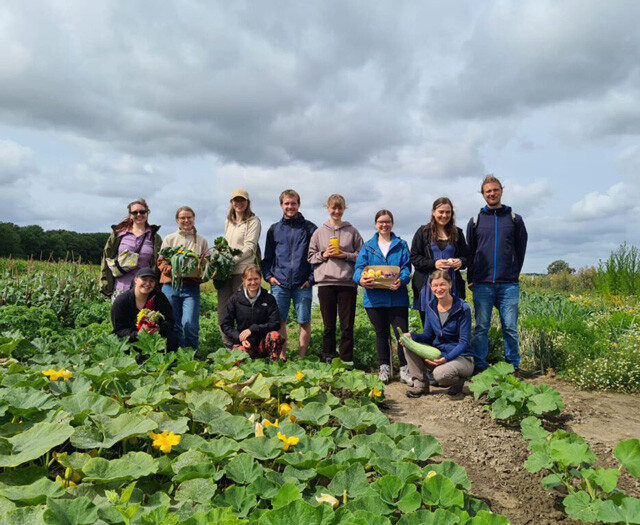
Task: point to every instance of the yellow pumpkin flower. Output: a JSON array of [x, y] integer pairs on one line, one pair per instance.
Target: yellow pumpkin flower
[[66, 483], [288, 441], [284, 409], [54, 375], [259, 430], [266, 423], [299, 375], [375, 393], [165, 441], [430, 474], [328, 498]]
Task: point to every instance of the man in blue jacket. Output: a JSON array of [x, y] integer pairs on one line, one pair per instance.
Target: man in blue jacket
[[497, 241], [286, 268]]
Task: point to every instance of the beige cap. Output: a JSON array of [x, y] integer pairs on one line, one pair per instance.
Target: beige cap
[[240, 192]]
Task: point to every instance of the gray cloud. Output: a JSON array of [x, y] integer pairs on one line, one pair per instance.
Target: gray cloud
[[523, 55]]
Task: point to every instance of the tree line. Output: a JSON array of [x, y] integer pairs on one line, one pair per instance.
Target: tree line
[[23, 242]]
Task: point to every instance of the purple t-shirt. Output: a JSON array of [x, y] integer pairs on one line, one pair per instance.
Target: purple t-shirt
[[131, 242]]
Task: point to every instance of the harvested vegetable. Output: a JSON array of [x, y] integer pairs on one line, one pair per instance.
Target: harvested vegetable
[[424, 351]]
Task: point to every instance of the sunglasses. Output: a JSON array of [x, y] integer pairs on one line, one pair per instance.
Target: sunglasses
[[137, 212]]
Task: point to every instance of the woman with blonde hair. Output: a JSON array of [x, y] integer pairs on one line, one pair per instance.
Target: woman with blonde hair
[[132, 245], [242, 231], [333, 251], [184, 300], [252, 320]]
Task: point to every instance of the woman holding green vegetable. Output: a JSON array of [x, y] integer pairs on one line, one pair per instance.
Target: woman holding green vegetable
[[185, 297], [242, 231], [447, 327]]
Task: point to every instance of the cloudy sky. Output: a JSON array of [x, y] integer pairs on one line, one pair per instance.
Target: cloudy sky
[[392, 104]]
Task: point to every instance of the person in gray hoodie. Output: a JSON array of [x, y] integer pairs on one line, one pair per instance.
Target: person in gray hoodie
[[333, 250]]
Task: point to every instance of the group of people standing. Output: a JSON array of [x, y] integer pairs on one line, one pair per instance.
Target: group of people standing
[[299, 255]]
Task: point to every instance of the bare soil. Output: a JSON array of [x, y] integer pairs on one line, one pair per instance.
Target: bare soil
[[494, 454]]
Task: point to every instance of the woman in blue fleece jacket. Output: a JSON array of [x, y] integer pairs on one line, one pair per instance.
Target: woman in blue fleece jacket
[[386, 307], [448, 328]]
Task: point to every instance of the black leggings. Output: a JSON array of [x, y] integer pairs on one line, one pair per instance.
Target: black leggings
[[382, 319]]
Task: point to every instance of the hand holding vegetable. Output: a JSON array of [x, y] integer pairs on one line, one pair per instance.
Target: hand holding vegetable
[[395, 285], [244, 335], [367, 282], [442, 264]]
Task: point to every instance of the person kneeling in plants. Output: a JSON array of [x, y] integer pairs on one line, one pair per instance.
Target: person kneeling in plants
[[144, 308], [252, 320], [447, 328]]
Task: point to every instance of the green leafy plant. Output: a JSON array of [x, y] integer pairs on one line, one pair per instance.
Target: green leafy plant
[[591, 492], [511, 399]]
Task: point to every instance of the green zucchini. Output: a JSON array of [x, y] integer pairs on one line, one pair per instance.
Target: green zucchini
[[424, 351]]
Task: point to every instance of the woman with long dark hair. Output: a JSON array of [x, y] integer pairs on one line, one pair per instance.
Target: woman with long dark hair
[[132, 245], [439, 245]]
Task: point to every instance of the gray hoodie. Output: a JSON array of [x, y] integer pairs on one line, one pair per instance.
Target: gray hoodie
[[334, 270]]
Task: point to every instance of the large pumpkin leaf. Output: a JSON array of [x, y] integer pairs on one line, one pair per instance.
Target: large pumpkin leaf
[[33, 443], [33, 493], [424, 446], [131, 466], [108, 431], [78, 511], [243, 469]]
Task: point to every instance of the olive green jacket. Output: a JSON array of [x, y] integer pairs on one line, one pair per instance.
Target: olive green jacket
[[111, 251]]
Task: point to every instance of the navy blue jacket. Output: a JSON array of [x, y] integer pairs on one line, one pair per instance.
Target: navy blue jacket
[[454, 338], [398, 255], [286, 250], [497, 244]]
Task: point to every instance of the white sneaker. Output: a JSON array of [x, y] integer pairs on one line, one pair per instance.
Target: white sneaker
[[385, 374], [405, 376]]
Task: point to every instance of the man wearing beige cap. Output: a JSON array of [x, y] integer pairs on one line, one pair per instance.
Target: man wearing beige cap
[[242, 232]]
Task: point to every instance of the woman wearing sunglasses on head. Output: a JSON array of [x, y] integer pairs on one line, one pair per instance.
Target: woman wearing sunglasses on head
[[133, 244]]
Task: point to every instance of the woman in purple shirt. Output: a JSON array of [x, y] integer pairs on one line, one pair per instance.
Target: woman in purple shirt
[[136, 235]]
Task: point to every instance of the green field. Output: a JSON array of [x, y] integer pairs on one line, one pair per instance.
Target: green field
[[198, 438]]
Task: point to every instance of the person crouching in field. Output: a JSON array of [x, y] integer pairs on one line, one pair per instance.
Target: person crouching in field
[[252, 319], [144, 308], [447, 327]]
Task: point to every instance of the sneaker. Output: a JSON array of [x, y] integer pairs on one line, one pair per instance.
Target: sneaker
[[405, 376], [417, 391], [385, 374]]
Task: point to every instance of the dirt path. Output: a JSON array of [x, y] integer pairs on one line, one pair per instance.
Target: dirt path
[[494, 455]]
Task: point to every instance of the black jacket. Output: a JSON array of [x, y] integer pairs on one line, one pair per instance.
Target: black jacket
[[423, 260], [124, 314], [261, 318]]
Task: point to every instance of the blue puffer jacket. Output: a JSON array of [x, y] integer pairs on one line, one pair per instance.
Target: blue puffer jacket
[[285, 252], [398, 255], [497, 244], [454, 338]]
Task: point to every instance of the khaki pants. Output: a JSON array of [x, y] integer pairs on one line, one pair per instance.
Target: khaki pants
[[448, 374]]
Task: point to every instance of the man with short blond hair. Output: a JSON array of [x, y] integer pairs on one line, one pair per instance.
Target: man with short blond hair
[[497, 240]]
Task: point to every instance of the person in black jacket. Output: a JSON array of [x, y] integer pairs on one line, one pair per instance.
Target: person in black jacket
[[144, 295], [252, 319], [439, 245]]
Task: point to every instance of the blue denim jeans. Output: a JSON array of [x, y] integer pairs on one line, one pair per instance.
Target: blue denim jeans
[[301, 297], [185, 302], [505, 297]]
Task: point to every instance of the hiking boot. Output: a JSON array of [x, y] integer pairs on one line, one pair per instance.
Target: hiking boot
[[385, 374], [417, 391], [405, 376], [456, 390], [516, 374]]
